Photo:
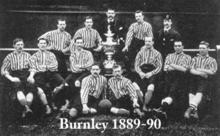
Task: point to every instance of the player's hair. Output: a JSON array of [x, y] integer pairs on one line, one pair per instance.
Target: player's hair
[[60, 19], [139, 11], [17, 40], [204, 43], [43, 39], [77, 38], [117, 66], [87, 17]]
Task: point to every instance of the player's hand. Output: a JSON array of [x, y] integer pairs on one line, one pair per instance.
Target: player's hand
[[135, 103], [15, 79], [204, 75], [85, 109], [98, 49], [148, 75], [67, 42], [142, 75], [30, 80], [125, 49]]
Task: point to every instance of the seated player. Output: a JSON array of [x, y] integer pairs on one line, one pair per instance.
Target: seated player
[[90, 94], [125, 99], [80, 62], [44, 69], [15, 68], [148, 64], [176, 67], [202, 68]]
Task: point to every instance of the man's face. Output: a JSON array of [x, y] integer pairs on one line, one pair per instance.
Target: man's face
[[79, 44], [203, 49], [149, 42], [61, 25], [178, 47], [110, 14], [19, 46], [88, 23], [139, 17], [42, 44], [95, 70], [167, 23], [117, 72]]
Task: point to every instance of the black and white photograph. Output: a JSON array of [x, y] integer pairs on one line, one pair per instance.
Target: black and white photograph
[[110, 67]]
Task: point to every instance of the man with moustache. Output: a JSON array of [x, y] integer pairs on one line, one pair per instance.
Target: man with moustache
[[91, 38], [164, 38], [202, 68], [123, 92], [176, 67], [90, 94], [15, 69], [44, 69], [136, 34], [148, 64], [59, 41], [81, 61]]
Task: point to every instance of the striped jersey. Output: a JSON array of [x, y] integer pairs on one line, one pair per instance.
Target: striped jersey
[[92, 86], [180, 59], [90, 37], [83, 58], [15, 61], [43, 58], [121, 87], [148, 56], [139, 31], [204, 62], [58, 40]]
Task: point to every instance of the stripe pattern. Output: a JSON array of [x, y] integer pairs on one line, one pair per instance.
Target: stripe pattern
[[58, 40], [180, 59], [122, 87], [84, 58], [148, 56], [40, 59], [92, 86], [139, 31], [90, 37], [206, 62], [15, 61]]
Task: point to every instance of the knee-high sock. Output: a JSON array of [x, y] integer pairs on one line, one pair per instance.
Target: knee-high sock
[[148, 94], [42, 96]]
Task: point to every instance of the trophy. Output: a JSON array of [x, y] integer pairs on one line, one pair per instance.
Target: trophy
[[109, 49]]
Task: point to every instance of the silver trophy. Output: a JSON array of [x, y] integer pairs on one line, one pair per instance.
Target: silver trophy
[[109, 49]]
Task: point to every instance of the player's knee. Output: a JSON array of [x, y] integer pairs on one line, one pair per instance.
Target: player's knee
[[114, 110], [93, 111], [150, 88], [168, 100]]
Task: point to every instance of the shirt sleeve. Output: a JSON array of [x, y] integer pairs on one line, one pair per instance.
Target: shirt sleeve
[[213, 66], [131, 89], [33, 63], [149, 31], [6, 66], [84, 93], [167, 62], [129, 35], [98, 37], [138, 63], [89, 60], [73, 64], [52, 63], [159, 64]]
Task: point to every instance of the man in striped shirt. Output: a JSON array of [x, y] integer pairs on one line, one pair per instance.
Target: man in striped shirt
[[202, 68], [176, 67], [59, 41], [148, 64], [44, 69], [123, 93], [15, 68], [90, 93], [136, 34], [80, 63], [91, 38]]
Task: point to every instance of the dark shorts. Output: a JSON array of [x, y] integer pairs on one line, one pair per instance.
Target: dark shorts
[[93, 102], [62, 67], [198, 84], [53, 78], [175, 82], [144, 83], [23, 86]]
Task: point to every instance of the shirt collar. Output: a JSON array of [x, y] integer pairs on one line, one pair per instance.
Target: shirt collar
[[15, 52], [167, 29], [179, 53], [206, 56], [145, 48], [118, 78], [111, 20]]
